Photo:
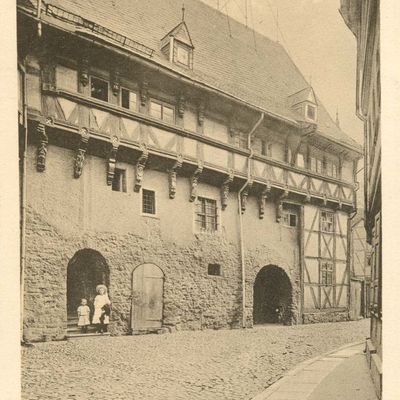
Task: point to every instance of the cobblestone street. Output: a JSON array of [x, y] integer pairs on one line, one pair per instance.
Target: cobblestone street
[[224, 364]]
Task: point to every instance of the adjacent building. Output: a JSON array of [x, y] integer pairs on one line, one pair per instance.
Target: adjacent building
[[196, 175], [362, 18]]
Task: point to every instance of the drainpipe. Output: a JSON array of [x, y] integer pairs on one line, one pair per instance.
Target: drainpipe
[[39, 10], [241, 239]]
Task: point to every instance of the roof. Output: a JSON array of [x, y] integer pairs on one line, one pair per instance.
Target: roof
[[264, 77]]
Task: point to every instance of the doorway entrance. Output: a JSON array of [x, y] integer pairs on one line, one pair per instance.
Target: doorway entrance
[[147, 298], [86, 269], [272, 296]]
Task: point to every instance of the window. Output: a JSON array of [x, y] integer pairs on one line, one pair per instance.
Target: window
[[316, 165], [162, 111], [326, 221], [148, 202], [326, 273], [214, 269], [289, 219], [128, 99], [266, 148], [332, 169], [311, 112], [182, 55], [119, 180], [99, 88], [206, 215]]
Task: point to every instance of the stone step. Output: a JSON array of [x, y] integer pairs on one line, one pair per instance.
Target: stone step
[[86, 335]]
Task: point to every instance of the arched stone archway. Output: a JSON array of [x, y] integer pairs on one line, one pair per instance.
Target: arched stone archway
[[272, 296], [86, 269]]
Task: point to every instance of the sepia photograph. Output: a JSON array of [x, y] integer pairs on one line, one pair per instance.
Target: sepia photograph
[[199, 199]]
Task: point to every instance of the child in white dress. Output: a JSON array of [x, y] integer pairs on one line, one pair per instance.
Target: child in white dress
[[83, 316], [100, 318]]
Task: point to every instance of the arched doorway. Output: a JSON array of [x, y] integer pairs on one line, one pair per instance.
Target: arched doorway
[[147, 298], [86, 269], [272, 291]]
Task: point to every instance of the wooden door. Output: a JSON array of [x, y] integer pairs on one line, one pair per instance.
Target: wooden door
[[147, 297]]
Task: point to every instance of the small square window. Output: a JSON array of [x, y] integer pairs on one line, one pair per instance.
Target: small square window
[[128, 99], [98, 88], [148, 202], [156, 110], [289, 219], [214, 269], [119, 180]]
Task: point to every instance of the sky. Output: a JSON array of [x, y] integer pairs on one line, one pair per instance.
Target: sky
[[318, 41]]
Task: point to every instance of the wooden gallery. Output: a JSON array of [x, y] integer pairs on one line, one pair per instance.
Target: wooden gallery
[[183, 161]]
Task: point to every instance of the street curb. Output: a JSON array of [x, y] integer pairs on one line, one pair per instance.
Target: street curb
[[276, 385]]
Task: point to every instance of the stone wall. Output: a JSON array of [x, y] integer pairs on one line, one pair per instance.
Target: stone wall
[[325, 316], [65, 215]]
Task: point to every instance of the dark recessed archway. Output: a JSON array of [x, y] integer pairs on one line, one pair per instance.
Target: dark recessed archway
[[272, 292], [86, 269]]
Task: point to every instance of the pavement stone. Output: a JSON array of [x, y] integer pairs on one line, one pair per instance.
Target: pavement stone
[[209, 365]]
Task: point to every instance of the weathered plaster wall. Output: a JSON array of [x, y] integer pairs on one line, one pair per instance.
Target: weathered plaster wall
[[65, 215]]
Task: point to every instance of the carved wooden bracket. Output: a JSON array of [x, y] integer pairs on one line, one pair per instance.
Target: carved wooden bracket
[[194, 181], [144, 91], [181, 105], [325, 200], [225, 189], [80, 153], [42, 147], [200, 112], [307, 199], [261, 201], [279, 207], [172, 172], [115, 82], [112, 159], [244, 195], [84, 71], [140, 166]]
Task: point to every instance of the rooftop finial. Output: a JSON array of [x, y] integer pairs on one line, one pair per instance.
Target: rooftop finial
[[183, 11], [337, 117]]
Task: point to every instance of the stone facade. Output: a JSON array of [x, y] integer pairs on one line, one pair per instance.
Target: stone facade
[[192, 298]]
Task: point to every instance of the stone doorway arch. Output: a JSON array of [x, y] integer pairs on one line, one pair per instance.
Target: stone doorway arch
[[272, 291], [86, 269]]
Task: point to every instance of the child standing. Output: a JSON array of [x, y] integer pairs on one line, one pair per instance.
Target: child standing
[[101, 316], [83, 315]]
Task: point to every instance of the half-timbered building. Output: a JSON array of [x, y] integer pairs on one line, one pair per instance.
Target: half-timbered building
[[363, 19], [196, 175]]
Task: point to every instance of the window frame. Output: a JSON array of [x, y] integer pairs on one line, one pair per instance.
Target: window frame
[[324, 222], [185, 48], [129, 91], [326, 274], [122, 184], [314, 108], [163, 104], [144, 213], [286, 219], [91, 77], [198, 222]]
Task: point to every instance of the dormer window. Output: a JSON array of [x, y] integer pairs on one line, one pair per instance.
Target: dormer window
[[304, 104], [311, 112], [178, 47], [182, 55]]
